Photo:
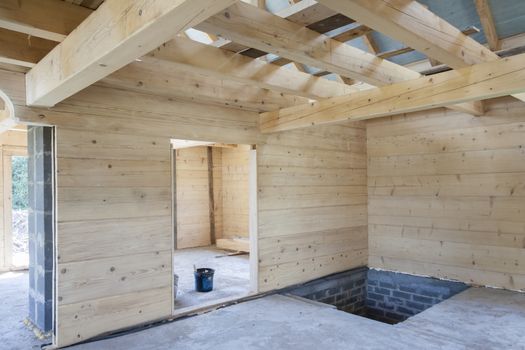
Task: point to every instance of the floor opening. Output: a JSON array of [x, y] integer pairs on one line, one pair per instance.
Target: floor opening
[[212, 194], [383, 296]]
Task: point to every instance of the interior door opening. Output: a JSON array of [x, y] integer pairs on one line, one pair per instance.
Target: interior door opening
[[214, 199]]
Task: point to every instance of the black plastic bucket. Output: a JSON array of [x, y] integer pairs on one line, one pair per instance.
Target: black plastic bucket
[[204, 280]]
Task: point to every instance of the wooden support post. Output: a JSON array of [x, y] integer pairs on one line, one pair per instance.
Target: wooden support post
[[213, 239], [174, 195]]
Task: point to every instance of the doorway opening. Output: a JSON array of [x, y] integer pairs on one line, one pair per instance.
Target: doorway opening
[[15, 207], [27, 236], [19, 210], [214, 211]]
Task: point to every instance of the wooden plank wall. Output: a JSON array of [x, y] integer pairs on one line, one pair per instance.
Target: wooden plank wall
[[230, 185], [193, 203], [447, 194], [235, 191], [312, 204], [114, 199], [114, 232]]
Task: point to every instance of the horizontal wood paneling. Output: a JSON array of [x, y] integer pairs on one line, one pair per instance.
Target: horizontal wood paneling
[[312, 218], [113, 185], [235, 191], [114, 229], [104, 249], [193, 202], [446, 194], [98, 316]]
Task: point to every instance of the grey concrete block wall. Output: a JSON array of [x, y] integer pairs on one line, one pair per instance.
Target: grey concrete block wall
[[40, 225], [393, 297], [346, 290]]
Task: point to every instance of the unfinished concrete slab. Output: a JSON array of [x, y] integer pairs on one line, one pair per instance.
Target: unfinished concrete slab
[[474, 319], [231, 279], [14, 334], [480, 318]]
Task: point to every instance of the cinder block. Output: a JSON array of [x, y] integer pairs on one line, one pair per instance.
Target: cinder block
[[408, 289], [424, 300], [371, 303], [416, 306], [401, 295], [356, 292], [387, 285], [374, 296], [404, 310], [429, 293], [386, 306], [396, 301], [383, 291]]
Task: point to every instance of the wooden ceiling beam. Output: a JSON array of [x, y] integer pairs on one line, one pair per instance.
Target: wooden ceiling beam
[[114, 35], [403, 50], [414, 25], [47, 19], [306, 13], [477, 82], [487, 22], [220, 63], [353, 33], [22, 50], [371, 44], [264, 31]]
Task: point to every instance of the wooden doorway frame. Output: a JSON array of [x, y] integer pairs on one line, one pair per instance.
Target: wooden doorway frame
[[8, 152], [253, 234]]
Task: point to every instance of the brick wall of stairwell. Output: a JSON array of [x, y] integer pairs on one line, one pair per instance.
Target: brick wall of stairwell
[[346, 290], [393, 297]]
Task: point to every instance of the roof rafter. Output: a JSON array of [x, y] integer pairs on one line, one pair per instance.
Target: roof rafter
[[487, 22], [477, 82], [413, 24], [264, 31]]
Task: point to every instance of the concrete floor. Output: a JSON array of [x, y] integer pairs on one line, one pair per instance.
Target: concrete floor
[[231, 279], [14, 335], [478, 318]]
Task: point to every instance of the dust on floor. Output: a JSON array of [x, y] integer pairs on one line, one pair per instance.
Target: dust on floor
[[231, 280], [14, 335], [479, 318]]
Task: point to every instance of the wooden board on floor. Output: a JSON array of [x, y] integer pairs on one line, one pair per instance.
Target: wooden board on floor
[[235, 244]]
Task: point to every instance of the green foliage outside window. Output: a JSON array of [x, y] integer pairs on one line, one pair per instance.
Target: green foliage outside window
[[20, 195]]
